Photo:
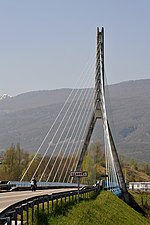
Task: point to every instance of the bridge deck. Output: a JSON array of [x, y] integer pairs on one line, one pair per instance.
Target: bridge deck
[[9, 198]]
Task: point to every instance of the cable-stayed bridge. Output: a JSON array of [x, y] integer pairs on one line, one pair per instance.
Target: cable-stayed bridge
[[73, 128], [65, 145]]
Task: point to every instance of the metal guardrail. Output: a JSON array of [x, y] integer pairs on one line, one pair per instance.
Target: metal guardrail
[[18, 213]]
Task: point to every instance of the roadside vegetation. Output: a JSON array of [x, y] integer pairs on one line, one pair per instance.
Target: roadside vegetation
[[14, 161], [106, 209], [143, 199], [94, 163]]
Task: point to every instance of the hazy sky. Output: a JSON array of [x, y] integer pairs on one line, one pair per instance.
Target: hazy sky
[[44, 44]]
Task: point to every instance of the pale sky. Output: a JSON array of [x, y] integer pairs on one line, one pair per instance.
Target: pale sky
[[44, 44]]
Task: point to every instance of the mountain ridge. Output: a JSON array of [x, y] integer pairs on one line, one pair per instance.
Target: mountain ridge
[[4, 96], [26, 116]]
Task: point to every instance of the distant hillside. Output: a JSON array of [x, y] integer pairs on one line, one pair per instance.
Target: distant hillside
[[27, 117], [130, 103]]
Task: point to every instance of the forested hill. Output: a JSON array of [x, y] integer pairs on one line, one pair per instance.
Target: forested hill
[[130, 102], [27, 117]]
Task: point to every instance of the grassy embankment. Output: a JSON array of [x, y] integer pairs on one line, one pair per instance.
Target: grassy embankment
[[143, 199], [106, 209]]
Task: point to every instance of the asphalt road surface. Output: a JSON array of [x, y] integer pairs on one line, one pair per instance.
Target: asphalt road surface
[[9, 198]]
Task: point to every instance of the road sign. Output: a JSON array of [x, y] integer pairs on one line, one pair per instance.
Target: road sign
[[79, 174]]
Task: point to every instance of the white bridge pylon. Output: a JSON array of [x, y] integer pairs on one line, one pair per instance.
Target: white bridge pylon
[[113, 168]]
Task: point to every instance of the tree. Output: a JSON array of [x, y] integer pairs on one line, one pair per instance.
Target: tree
[[15, 160], [94, 162]]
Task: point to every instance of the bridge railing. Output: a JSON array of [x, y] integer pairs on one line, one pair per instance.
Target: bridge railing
[[16, 185], [24, 211], [42, 184]]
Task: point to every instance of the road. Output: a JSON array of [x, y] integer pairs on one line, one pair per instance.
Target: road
[[9, 198]]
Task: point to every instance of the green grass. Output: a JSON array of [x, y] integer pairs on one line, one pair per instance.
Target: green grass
[[106, 209], [143, 199]]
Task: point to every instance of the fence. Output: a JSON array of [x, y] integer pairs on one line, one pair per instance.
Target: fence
[[23, 212]]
